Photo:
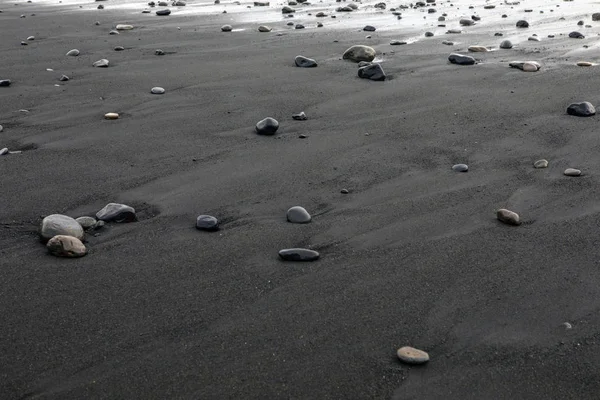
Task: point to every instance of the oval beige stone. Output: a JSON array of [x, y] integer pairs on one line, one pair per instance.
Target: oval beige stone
[[478, 49], [111, 115], [410, 355], [572, 172], [66, 246], [530, 66], [541, 164], [124, 27], [508, 217]]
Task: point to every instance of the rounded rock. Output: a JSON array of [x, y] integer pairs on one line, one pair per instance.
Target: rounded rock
[[111, 115], [207, 223], [305, 62], [115, 212], [359, 53], [298, 215], [508, 217], [66, 246], [264, 28], [506, 44], [572, 172], [58, 224], [540, 164], [410, 355], [226, 28], [298, 254], [73, 53], [163, 12], [86, 222], [460, 168], [157, 90], [583, 109], [102, 63], [267, 126]]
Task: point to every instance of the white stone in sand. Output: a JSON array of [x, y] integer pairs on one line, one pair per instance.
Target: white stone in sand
[[410, 355], [58, 224], [572, 172], [103, 63], [73, 53], [124, 27], [541, 164], [157, 90], [111, 116]]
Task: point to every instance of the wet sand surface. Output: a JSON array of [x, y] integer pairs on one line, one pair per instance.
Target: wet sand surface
[[412, 255]]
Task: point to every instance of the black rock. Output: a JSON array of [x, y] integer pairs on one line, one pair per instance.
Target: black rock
[[576, 35], [373, 72], [460, 168], [64, 78], [298, 255], [460, 59], [369, 28], [114, 212], [584, 109], [522, 24], [207, 223], [305, 62], [163, 12], [5, 82], [267, 126]]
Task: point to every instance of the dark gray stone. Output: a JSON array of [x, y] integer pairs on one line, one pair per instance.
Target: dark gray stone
[[460, 168], [5, 82], [584, 109], [207, 223], [369, 28], [373, 72], [115, 212], [460, 59], [267, 126], [305, 62], [298, 215], [522, 24], [166, 11], [576, 35], [300, 116], [506, 44]]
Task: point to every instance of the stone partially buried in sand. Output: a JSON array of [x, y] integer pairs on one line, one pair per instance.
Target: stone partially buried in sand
[[163, 12], [410, 355], [305, 62], [372, 72], [66, 246], [73, 53], [299, 254], [102, 63], [115, 212], [226, 28], [508, 217], [526, 66], [583, 109], [264, 28], [572, 172], [584, 64], [478, 49], [207, 223], [58, 224], [267, 126], [460, 59], [124, 27], [506, 44], [540, 164], [157, 90], [359, 53], [111, 115], [298, 215], [460, 168]]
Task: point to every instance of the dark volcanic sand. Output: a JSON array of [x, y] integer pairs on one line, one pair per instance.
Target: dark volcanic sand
[[412, 256]]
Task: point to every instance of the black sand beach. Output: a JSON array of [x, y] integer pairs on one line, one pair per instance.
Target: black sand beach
[[412, 256]]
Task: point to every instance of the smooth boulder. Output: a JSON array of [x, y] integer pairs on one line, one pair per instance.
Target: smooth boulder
[[305, 62], [207, 223], [298, 215], [115, 212], [58, 224], [460, 59], [583, 109], [66, 246], [508, 217], [359, 53], [267, 126]]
